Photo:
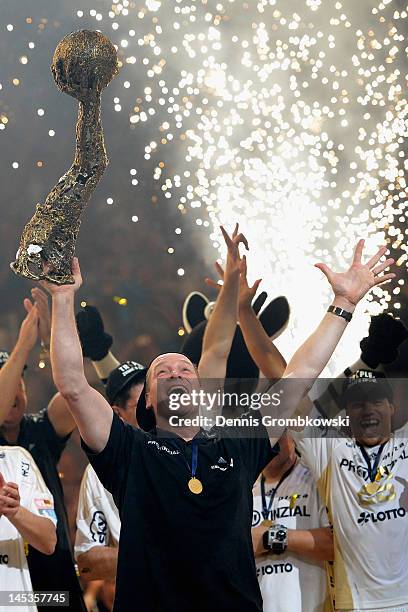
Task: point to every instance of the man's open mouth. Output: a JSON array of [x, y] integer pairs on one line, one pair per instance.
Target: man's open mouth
[[177, 390], [369, 422]]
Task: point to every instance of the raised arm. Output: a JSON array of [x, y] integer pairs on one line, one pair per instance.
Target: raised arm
[[220, 329], [348, 288], [58, 412], [11, 372], [264, 353], [89, 408], [311, 358]]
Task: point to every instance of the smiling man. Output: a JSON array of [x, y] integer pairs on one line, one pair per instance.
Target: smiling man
[[363, 479]]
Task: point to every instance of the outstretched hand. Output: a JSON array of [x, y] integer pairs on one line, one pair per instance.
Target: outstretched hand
[[234, 261], [246, 293], [54, 289], [353, 284]]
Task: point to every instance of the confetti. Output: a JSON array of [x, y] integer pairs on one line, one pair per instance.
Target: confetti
[[287, 116]]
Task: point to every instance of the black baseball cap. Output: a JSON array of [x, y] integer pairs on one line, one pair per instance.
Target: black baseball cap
[[4, 357], [365, 384], [120, 377]]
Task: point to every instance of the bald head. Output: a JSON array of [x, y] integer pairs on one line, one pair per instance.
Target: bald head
[[167, 365], [169, 373]]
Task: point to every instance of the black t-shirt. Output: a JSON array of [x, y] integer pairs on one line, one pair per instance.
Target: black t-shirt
[[181, 552], [56, 571]]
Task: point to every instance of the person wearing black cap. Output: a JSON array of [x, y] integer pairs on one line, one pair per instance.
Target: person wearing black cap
[[185, 498], [98, 522], [362, 475], [123, 389], [44, 434]]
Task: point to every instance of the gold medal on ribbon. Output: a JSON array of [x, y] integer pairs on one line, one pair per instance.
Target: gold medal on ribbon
[[376, 492], [372, 488], [266, 523], [195, 486]]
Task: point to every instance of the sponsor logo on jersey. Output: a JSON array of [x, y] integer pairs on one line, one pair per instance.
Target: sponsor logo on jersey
[[163, 447], [45, 507], [25, 467], [98, 527], [274, 568], [381, 516], [280, 513], [222, 464], [48, 513], [43, 503], [360, 470]]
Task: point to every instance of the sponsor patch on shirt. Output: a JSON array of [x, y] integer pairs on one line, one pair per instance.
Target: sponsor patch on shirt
[[43, 504], [47, 512]]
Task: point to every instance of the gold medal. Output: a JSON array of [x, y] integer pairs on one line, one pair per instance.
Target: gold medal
[[195, 486], [372, 488], [265, 523]]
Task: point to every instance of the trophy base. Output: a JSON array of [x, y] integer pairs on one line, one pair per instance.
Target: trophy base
[[41, 272]]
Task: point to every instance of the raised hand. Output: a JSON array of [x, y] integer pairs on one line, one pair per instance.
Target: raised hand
[[44, 316], [246, 293], [351, 286], [28, 334], [54, 289], [216, 284], [234, 261]]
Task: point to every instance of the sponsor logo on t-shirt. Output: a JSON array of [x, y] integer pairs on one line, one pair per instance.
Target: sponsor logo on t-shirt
[[381, 516], [48, 513], [222, 464], [25, 467], [43, 503], [274, 568], [280, 513], [163, 447], [98, 527], [45, 507]]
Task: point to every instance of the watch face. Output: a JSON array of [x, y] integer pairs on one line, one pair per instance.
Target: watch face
[[280, 535]]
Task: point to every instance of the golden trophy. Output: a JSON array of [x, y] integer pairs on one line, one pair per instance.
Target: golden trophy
[[84, 63]]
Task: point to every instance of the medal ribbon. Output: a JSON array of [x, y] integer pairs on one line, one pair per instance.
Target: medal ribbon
[[194, 456], [266, 507], [372, 469]]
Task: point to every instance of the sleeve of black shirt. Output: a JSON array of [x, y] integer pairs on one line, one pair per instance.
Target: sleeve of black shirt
[[44, 428], [112, 463]]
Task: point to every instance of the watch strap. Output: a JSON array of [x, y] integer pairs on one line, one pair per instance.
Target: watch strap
[[340, 312]]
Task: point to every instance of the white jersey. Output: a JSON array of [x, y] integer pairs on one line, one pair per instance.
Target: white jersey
[[287, 581], [17, 465], [98, 522], [370, 525]]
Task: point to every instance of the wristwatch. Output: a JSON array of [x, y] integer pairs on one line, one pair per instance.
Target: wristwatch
[[276, 539]]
